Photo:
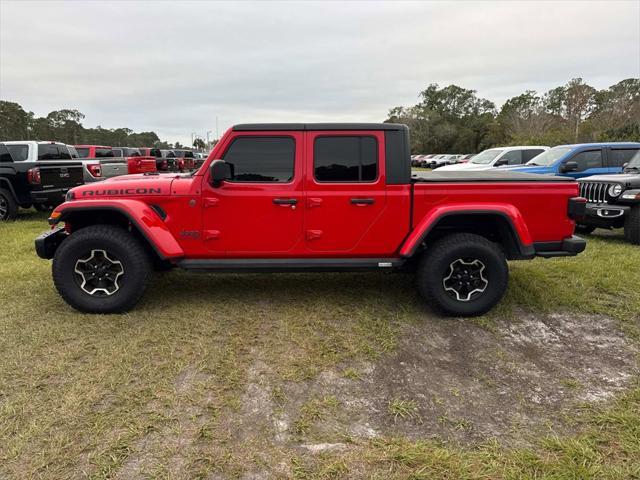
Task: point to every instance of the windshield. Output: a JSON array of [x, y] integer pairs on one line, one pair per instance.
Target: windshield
[[487, 156], [634, 163], [549, 157]]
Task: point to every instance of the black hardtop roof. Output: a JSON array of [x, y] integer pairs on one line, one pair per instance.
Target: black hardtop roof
[[248, 127]]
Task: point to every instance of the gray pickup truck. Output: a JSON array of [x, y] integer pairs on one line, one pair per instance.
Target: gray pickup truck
[[99, 162]]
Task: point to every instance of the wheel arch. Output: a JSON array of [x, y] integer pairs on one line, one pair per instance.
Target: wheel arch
[[498, 225], [143, 221]]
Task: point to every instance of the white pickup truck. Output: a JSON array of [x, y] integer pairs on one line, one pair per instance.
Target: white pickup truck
[[496, 157]]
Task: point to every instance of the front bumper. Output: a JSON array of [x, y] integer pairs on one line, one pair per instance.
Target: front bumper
[[568, 247], [603, 215], [48, 242]]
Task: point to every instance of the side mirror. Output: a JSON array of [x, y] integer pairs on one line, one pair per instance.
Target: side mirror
[[220, 171], [569, 167], [500, 162], [625, 165]]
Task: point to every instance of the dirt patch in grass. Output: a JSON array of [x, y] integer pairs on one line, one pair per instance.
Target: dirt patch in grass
[[452, 381]]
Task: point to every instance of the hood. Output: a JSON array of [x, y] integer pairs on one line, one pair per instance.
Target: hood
[[626, 179], [126, 186]]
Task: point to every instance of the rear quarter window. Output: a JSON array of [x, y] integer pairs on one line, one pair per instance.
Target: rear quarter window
[[19, 152], [5, 155]]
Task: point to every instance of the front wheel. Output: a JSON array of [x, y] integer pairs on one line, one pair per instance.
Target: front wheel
[[463, 275], [8, 206], [101, 269]]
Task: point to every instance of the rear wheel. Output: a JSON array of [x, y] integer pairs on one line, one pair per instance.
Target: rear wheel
[[584, 229], [101, 269], [8, 206], [632, 226], [463, 275]]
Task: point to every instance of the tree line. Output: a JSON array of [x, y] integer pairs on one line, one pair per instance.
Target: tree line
[[453, 119], [450, 119], [66, 126]]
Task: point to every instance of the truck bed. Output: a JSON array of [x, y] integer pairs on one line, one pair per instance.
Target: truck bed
[[491, 175]]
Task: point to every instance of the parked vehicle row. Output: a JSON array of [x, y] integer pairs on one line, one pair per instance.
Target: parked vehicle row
[[39, 174], [435, 161]]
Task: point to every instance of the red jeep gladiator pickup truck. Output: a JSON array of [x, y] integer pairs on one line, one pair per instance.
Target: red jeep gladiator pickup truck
[[310, 197]]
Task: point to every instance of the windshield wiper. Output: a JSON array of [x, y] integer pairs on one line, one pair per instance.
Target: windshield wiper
[[637, 169], [534, 164]]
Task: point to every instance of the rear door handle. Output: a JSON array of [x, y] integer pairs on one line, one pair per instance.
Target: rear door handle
[[362, 201], [285, 201]]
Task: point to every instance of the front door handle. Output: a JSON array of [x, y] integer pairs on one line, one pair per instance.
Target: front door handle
[[362, 201], [285, 201]]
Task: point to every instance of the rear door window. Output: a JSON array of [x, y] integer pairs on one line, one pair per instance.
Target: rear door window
[[587, 160], [619, 156], [19, 152], [514, 157], [83, 152], [345, 159]]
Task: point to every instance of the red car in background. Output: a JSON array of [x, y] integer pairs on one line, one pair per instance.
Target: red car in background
[[186, 159]]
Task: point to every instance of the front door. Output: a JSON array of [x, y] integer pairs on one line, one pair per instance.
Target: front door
[[344, 190], [258, 212]]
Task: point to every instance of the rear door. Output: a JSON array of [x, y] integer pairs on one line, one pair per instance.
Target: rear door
[[258, 212], [344, 189], [617, 157]]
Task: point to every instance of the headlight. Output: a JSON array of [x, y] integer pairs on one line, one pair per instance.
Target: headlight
[[69, 196], [615, 190]]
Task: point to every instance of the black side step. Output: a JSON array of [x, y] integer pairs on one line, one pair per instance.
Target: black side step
[[290, 264]]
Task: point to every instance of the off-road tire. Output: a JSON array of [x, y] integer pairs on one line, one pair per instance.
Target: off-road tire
[[632, 226], [8, 205], [436, 264], [120, 245], [584, 229]]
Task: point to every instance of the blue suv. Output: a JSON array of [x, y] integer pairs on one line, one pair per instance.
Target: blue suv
[[581, 160]]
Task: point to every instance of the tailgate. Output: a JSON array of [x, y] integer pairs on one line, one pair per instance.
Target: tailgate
[[142, 164], [113, 168], [60, 174]]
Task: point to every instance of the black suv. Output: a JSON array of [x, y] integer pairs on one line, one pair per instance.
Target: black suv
[[613, 201]]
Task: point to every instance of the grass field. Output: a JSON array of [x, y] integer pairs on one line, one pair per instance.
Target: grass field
[[243, 376]]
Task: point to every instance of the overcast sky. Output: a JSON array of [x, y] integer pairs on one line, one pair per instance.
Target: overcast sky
[[172, 67]]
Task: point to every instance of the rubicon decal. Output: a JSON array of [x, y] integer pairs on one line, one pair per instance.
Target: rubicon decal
[[122, 191]]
